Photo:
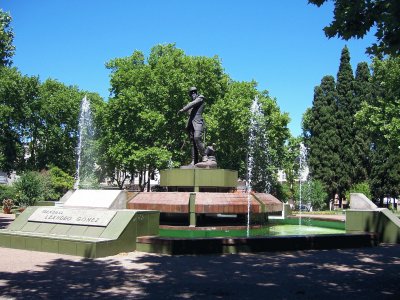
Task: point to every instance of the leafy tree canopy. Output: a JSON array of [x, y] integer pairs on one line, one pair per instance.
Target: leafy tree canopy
[[380, 115], [141, 130], [7, 48], [355, 18], [18, 100], [229, 127]]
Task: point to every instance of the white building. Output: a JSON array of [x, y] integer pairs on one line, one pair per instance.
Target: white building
[[304, 175]]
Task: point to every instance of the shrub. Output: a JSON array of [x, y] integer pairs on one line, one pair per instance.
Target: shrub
[[7, 192], [30, 188], [33, 186], [283, 192], [362, 187], [313, 193], [60, 182]]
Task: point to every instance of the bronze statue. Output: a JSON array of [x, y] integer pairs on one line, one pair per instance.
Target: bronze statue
[[195, 127]]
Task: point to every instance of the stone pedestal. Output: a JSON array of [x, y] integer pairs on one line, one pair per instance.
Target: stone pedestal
[[199, 180]]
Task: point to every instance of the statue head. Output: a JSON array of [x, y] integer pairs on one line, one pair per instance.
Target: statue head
[[193, 92]]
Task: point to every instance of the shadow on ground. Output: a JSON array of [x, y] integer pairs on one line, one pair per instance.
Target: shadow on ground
[[367, 273]]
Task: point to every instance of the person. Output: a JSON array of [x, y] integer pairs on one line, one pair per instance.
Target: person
[[195, 126]]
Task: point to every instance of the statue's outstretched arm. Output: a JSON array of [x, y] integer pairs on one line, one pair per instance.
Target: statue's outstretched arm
[[195, 102]]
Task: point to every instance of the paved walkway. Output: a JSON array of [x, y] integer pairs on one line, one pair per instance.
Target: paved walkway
[[364, 273]]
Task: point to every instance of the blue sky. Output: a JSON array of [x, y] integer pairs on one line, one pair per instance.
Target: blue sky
[[279, 44]]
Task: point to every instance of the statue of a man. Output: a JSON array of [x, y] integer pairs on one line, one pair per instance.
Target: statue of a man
[[195, 125]]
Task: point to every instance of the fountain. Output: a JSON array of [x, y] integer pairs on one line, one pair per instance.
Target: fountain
[[209, 196], [202, 211], [85, 151], [90, 223], [204, 198], [198, 200], [302, 168], [249, 160], [206, 202], [256, 159]]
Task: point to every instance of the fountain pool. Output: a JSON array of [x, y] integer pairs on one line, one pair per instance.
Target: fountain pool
[[283, 235], [281, 228]]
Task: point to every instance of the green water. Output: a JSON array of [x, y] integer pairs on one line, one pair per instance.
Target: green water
[[302, 230], [191, 233], [271, 230]]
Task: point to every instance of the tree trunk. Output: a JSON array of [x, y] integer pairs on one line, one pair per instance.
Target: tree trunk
[[148, 181]]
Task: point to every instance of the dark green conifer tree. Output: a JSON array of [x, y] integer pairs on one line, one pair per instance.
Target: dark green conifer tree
[[385, 172], [323, 140], [345, 120], [362, 142]]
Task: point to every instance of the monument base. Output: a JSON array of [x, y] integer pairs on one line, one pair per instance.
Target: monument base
[[199, 180], [81, 232], [193, 205]]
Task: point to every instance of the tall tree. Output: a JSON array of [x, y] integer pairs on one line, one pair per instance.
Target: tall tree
[[53, 136], [7, 48], [345, 119], [380, 117], [362, 142], [18, 103], [323, 140], [229, 126], [385, 172], [141, 130], [265, 153], [291, 164], [277, 135], [355, 19]]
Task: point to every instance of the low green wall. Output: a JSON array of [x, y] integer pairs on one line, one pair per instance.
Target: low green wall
[[180, 246], [119, 235], [380, 221]]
